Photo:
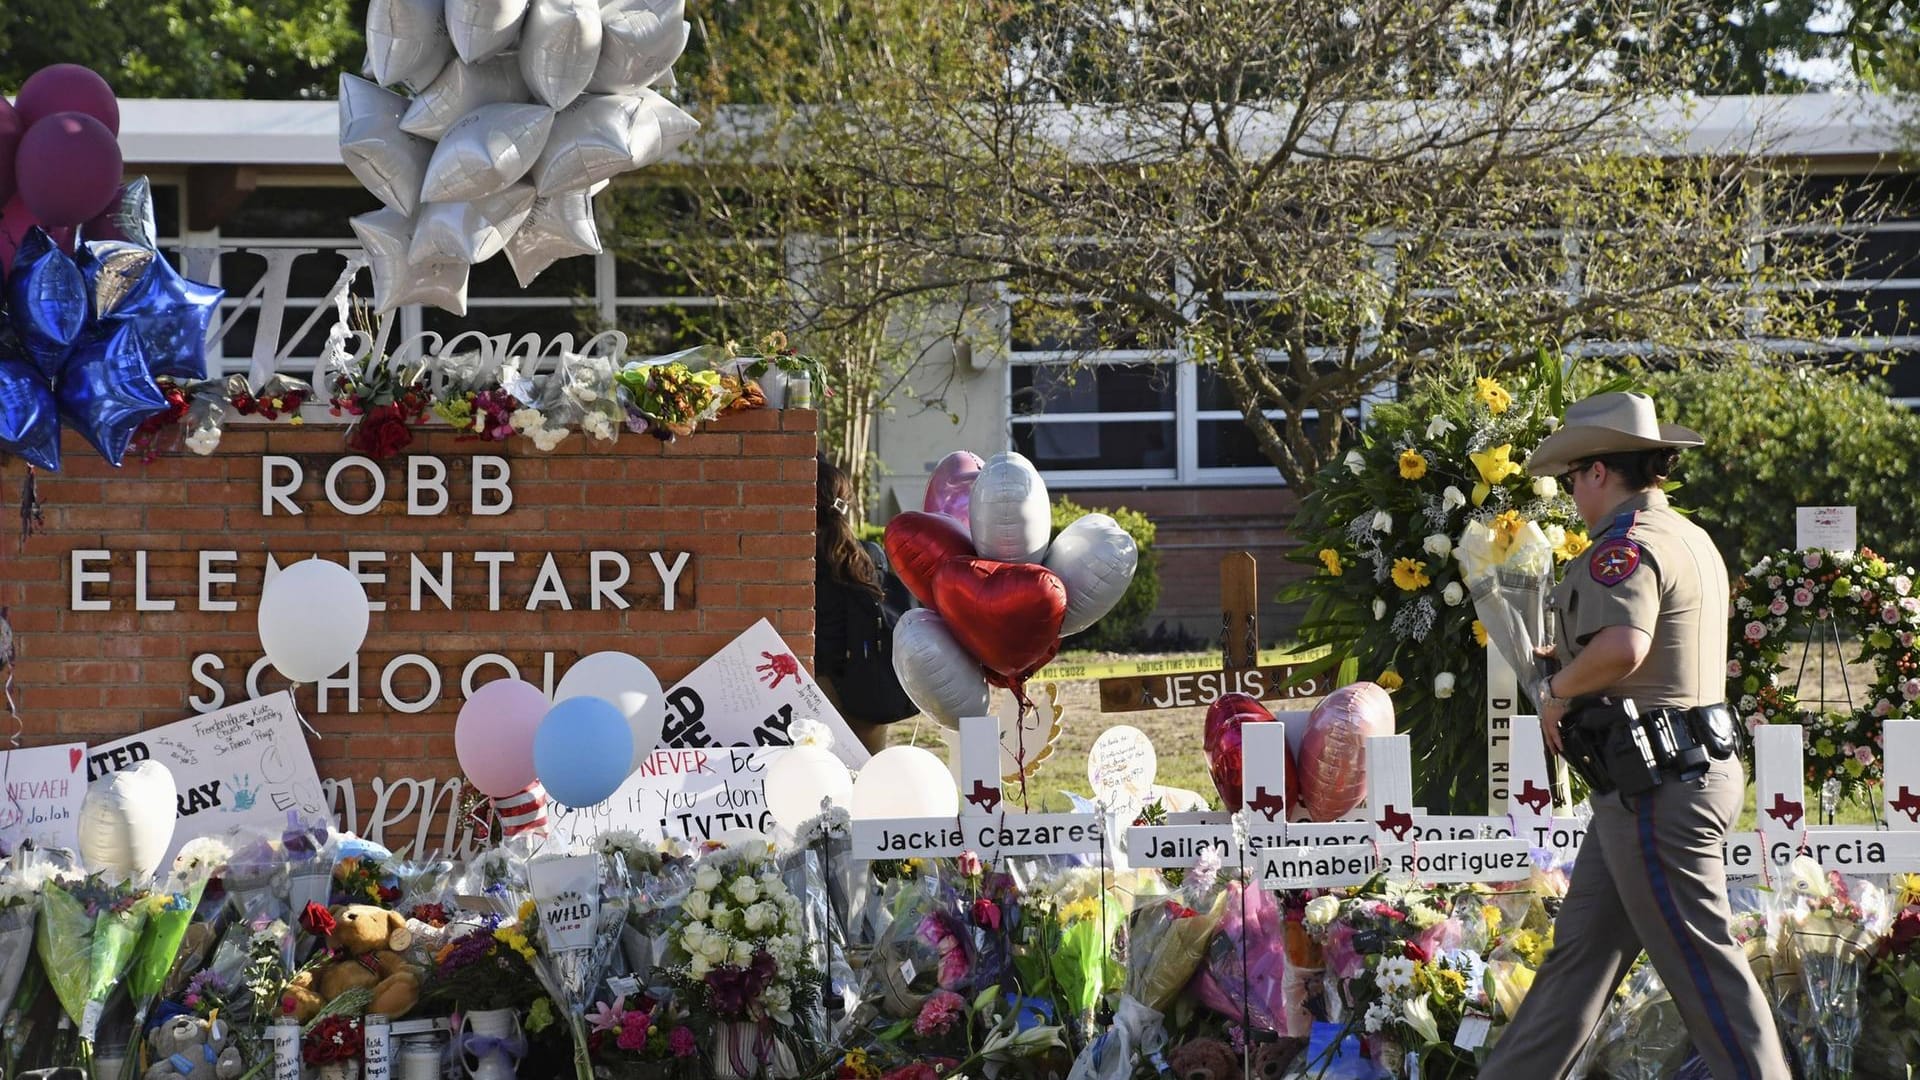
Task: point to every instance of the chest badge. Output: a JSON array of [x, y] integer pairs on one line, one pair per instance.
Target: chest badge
[[1613, 560]]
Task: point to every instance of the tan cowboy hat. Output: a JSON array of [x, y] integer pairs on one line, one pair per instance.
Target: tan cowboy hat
[[1607, 424]]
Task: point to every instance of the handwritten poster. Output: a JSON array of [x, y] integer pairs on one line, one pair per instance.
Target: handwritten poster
[[241, 767], [749, 694], [43, 789], [686, 794]]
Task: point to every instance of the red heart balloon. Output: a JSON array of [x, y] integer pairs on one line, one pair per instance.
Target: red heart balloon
[[1007, 615], [1222, 743], [919, 544]]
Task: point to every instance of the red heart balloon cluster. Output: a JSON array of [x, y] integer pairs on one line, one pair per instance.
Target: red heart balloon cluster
[[1008, 615]]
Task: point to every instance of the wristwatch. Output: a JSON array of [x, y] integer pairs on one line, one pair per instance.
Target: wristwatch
[[1543, 695]]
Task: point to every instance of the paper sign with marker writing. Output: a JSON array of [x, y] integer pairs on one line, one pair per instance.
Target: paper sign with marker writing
[[685, 794], [1830, 527], [41, 788], [749, 694], [244, 766], [1121, 767]]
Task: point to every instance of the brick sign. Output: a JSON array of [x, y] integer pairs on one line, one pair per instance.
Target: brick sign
[[136, 605]]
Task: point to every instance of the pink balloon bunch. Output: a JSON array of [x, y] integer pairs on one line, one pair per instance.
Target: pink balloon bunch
[[59, 155]]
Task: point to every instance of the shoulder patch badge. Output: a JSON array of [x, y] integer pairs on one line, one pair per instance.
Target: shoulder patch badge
[[1613, 560]]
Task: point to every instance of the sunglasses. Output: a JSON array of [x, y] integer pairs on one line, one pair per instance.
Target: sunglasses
[[1574, 469]]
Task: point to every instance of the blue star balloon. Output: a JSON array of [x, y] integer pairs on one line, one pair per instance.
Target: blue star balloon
[[47, 301], [107, 391], [29, 425], [114, 270], [172, 315]]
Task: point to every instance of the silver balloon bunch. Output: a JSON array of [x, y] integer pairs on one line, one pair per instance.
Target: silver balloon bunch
[[522, 111]]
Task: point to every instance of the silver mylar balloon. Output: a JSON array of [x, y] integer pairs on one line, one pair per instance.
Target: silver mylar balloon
[[936, 671], [460, 89], [112, 269], [469, 232], [1008, 511], [484, 28], [642, 39], [559, 48], [558, 228], [486, 151], [387, 161], [1095, 559], [407, 41], [601, 136], [386, 234]]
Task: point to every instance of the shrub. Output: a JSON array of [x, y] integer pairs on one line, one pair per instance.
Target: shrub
[[1778, 437], [1126, 624]]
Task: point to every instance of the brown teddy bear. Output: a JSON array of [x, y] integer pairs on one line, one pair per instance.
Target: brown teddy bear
[[369, 943]]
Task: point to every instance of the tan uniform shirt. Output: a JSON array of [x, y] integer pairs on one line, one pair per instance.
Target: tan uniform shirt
[[1653, 570]]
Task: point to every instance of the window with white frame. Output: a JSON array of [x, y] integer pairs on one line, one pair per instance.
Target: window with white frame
[[1877, 301]]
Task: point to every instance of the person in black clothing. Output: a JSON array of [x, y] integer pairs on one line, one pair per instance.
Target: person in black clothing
[[855, 604]]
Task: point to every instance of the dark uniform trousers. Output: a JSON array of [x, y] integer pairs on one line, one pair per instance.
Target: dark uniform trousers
[[1651, 874]]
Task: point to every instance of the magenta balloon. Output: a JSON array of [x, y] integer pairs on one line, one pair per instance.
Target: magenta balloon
[[950, 490], [60, 88], [493, 736], [1333, 756], [68, 168], [11, 128]]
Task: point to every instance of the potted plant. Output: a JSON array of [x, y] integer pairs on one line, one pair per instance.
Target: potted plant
[[781, 369]]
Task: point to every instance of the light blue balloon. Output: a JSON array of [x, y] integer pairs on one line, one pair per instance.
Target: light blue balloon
[[582, 751]]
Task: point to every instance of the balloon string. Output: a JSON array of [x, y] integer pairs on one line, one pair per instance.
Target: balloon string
[[1020, 739], [293, 696], [33, 517]]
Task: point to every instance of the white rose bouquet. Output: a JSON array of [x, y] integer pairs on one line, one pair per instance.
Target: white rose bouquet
[[738, 949]]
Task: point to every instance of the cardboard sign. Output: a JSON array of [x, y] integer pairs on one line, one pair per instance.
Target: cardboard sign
[[685, 794], [41, 788], [1829, 527], [241, 767], [748, 694]]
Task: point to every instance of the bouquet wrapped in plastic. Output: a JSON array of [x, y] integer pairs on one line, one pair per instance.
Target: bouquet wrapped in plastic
[[579, 904], [1831, 927], [1167, 942], [170, 911], [1246, 965], [1507, 563], [1643, 1036], [86, 941]]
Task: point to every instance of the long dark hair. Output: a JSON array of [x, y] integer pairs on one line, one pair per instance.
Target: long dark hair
[[835, 547]]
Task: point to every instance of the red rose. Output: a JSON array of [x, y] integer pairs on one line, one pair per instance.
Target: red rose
[[317, 920], [986, 914], [1417, 954], [381, 433], [1906, 930], [388, 894]]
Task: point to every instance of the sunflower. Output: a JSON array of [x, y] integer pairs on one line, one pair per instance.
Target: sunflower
[[1413, 464]]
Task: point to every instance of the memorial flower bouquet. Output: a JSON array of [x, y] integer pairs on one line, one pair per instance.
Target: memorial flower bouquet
[[1832, 926], [642, 1039], [20, 888], [1063, 945], [667, 399], [470, 398], [580, 901], [488, 967], [386, 398], [170, 912], [88, 932], [1166, 944], [1244, 978]]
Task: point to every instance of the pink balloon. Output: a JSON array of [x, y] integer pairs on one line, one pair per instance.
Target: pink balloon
[[11, 128], [59, 88], [15, 220], [1333, 756], [950, 491], [493, 736], [68, 168]]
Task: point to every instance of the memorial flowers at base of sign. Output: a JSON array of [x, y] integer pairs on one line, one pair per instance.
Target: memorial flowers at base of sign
[[88, 932], [667, 399]]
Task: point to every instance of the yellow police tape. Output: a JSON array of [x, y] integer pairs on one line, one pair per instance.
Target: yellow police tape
[[1179, 665]]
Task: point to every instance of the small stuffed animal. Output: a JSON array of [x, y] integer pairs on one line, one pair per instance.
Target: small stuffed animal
[[371, 943], [189, 1048]]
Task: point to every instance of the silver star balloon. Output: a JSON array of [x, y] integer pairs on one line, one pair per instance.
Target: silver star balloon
[[388, 161], [460, 89], [560, 48], [594, 139], [639, 43], [488, 150], [558, 228], [484, 28], [113, 269], [469, 232], [386, 235], [407, 41]]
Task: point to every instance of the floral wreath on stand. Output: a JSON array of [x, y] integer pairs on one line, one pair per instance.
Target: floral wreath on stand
[[1789, 594]]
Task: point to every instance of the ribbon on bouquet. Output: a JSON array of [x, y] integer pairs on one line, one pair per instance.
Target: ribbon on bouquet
[[761, 1046], [184, 1065], [511, 1047]]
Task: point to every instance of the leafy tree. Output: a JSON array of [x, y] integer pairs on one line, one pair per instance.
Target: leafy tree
[[188, 48]]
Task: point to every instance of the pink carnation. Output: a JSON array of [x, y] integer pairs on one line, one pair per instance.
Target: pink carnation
[[1910, 604], [1801, 598], [1756, 630], [970, 864], [633, 1031], [943, 1007], [1910, 689], [1883, 708], [1773, 582], [681, 1043], [1889, 614]]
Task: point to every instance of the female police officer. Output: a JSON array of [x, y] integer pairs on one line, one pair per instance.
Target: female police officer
[[1641, 616]]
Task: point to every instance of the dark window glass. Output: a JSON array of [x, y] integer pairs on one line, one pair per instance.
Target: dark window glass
[[1230, 444], [166, 209], [653, 331], [1058, 388], [1902, 373], [1879, 313], [545, 321], [1128, 444], [1083, 327], [311, 276], [297, 212], [572, 278]]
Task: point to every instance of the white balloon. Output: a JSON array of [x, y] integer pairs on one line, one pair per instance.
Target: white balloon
[[1095, 559], [407, 41], [629, 685], [1008, 510], [936, 671], [558, 228], [387, 235], [559, 48], [600, 136], [313, 619], [460, 89], [904, 782], [487, 151], [799, 778], [388, 161], [127, 819], [469, 232], [642, 39], [482, 28]]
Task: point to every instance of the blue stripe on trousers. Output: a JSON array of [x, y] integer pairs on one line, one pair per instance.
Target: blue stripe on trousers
[[1696, 968]]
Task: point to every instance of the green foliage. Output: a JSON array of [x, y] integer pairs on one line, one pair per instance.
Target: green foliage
[[1386, 627], [188, 48], [1127, 622], [1785, 436]]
